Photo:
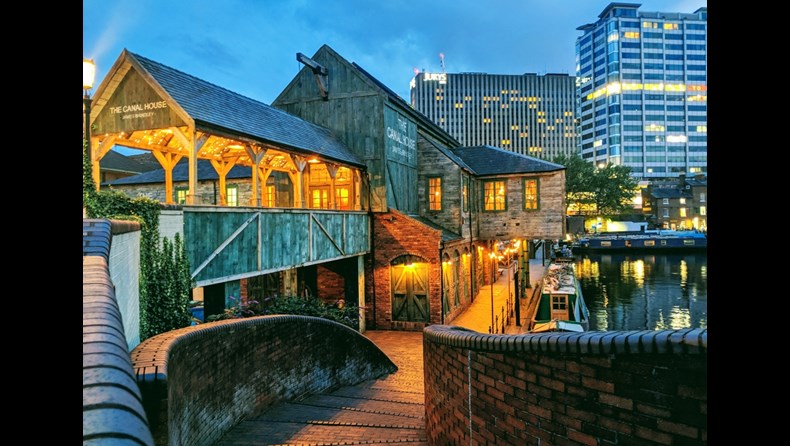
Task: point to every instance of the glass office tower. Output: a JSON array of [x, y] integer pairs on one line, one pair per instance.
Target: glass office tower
[[527, 113], [642, 90]]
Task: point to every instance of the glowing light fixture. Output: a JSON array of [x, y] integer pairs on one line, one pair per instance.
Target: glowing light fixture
[[88, 74]]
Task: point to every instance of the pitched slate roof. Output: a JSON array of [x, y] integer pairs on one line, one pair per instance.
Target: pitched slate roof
[[215, 106], [670, 192], [205, 171], [118, 162], [447, 235], [488, 160]]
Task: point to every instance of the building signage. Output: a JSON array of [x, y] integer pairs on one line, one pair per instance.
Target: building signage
[[131, 111], [135, 105], [441, 77], [400, 138]]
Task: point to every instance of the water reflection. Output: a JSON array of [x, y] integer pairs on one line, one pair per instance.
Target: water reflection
[[645, 291]]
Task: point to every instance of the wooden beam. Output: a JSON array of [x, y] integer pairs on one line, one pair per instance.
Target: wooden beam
[[332, 169], [256, 154], [323, 229], [223, 167], [263, 174], [300, 163], [168, 161]]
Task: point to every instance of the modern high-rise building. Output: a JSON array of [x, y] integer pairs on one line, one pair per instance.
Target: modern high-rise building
[[642, 79], [528, 114]]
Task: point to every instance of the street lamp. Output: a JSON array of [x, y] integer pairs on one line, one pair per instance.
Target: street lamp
[[492, 255], [88, 75]]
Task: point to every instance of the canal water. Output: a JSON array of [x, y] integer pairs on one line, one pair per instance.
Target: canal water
[[645, 291]]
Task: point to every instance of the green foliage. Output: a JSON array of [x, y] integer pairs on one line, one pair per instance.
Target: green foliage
[[165, 281], [603, 191], [344, 314], [88, 186]]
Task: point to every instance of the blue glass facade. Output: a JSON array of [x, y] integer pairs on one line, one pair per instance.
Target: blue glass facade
[[642, 90]]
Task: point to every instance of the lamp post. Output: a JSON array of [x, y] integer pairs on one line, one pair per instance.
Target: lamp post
[[492, 255], [88, 75]]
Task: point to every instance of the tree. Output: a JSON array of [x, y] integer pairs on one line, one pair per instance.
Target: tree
[[596, 191]]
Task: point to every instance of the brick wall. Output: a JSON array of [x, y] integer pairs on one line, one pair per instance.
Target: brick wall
[[199, 382], [124, 265], [396, 234], [111, 408], [601, 388], [330, 284]]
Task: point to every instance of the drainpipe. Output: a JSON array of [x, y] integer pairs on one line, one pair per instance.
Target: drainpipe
[[372, 249], [441, 284]]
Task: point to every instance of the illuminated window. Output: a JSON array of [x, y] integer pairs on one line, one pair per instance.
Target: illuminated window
[[513, 127], [486, 120], [505, 142], [270, 196], [702, 128], [670, 26], [631, 34], [341, 198], [232, 195], [531, 193], [682, 200], [665, 201], [435, 194], [320, 198], [702, 197], [682, 212], [494, 194], [703, 210], [180, 195], [697, 88], [649, 25]]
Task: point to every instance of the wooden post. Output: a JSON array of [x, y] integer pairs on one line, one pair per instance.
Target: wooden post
[[332, 170], [300, 163], [223, 167], [193, 144], [256, 155], [263, 174], [356, 193], [167, 161]]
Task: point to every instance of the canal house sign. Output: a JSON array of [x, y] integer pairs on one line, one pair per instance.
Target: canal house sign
[[134, 105]]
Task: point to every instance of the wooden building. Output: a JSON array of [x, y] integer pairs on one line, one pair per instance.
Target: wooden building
[[439, 210], [301, 204], [339, 189]]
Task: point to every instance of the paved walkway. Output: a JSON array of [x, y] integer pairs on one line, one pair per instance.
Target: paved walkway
[[478, 316], [377, 412], [387, 410]]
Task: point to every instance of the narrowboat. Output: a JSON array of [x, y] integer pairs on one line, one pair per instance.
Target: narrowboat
[[561, 306], [644, 241]]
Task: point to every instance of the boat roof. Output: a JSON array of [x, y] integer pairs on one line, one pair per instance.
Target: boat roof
[[559, 279]]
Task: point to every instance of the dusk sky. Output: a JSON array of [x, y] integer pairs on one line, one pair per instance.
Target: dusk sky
[[250, 46]]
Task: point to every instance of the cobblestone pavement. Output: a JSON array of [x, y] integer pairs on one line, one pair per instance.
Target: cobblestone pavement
[[386, 410]]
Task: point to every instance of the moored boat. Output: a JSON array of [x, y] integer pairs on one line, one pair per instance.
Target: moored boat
[[561, 306], [643, 241]]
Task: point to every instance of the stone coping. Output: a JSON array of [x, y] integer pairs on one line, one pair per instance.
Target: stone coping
[[685, 341]]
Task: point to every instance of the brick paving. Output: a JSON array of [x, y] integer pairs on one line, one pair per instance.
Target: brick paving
[[382, 411], [387, 410]]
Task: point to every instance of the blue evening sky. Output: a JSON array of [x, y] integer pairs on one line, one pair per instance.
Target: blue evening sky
[[250, 46]]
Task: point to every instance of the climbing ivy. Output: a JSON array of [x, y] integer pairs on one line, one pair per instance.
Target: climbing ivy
[[165, 281]]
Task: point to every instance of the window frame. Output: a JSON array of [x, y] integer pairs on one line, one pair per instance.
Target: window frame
[[483, 194], [178, 189], [537, 192], [432, 194], [229, 187]]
